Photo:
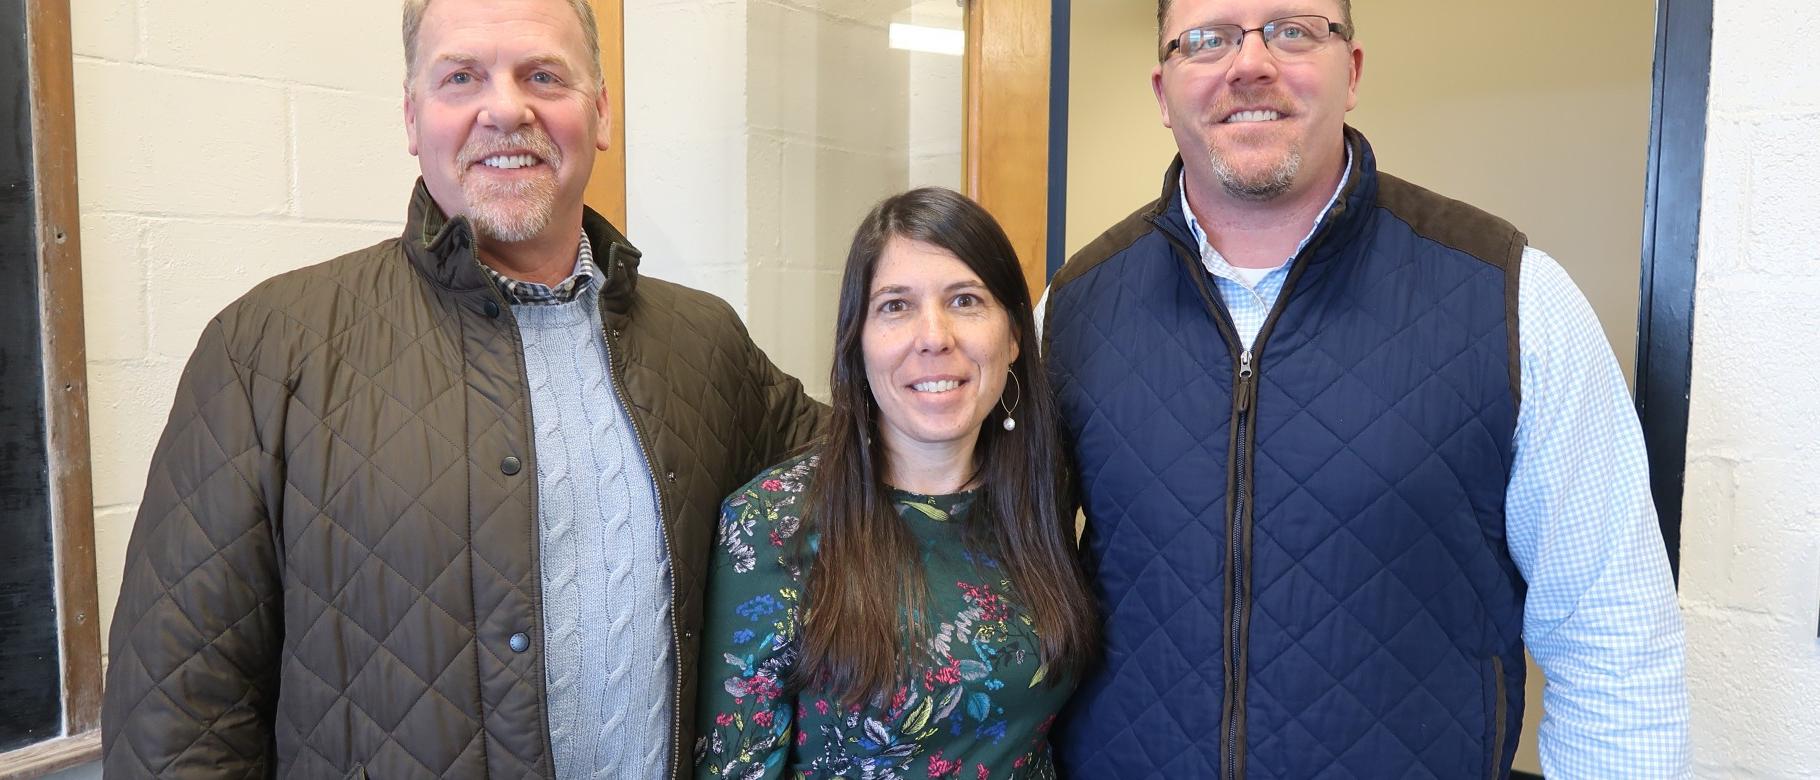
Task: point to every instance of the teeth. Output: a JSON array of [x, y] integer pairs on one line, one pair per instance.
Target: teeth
[[936, 387], [1253, 116], [510, 161]]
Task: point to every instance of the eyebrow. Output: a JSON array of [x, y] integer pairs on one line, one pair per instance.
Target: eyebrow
[[1280, 13], [899, 289], [554, 61], [459, 60]]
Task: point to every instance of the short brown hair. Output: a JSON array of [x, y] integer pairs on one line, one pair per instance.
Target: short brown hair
[[1162, 21], [584, 12]]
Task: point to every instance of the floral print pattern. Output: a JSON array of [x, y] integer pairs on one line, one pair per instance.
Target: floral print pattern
[[978, 706]]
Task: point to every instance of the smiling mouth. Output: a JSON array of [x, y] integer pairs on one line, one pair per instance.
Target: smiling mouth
[[936, 386], [1247, 117], [509, 162]]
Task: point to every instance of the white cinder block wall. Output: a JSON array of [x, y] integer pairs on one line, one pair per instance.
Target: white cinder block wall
[[218, 143], [685, 142], [1750, 550]]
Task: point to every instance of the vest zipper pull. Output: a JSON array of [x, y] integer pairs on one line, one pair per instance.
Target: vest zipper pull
[[1244, 390]]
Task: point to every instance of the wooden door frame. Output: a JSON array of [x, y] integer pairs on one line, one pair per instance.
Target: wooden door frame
[[606, 191], [53, 137], [1006, 137]]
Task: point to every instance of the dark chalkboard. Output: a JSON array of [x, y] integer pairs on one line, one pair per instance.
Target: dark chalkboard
[[31, 682]]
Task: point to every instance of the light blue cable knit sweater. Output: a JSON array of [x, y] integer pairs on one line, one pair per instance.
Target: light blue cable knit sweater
[[606, 595]]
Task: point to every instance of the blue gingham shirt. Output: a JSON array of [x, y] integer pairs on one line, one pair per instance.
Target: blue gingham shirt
[[1601, 616]]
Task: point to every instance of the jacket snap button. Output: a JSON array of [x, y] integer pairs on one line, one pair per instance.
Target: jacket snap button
[[491, 309], [510, 465], [520, 642], [670, 475]]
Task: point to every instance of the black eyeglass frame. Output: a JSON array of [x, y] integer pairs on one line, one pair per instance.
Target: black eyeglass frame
[[1336, 28]]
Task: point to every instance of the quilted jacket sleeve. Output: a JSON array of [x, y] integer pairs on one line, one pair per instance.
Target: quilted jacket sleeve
[[792, 418], [193, 653]]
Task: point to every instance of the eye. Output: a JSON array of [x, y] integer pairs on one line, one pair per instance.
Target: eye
[[1204, 41], [893, 306], [1293, 31], [461, 77], [968, 300], [545, 77]]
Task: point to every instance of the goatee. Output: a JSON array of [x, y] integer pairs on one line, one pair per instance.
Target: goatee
[[1257, 186], [510, 211]]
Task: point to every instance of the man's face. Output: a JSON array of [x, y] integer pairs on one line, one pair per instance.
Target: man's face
[[502, 113], [1258, 123]]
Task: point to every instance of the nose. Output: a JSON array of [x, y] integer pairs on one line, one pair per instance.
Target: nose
[[934, 333], [505, 108], [1253, 62]]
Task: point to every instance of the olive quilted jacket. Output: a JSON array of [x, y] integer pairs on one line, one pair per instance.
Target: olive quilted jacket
[[338, 537]]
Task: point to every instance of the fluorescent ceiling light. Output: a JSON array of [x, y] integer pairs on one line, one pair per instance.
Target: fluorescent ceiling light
[[934, 40]]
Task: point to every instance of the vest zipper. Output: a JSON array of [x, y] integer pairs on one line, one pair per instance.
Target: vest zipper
[[1241, 397], [1244, 396]]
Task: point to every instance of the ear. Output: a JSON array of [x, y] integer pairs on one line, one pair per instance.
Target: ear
[[1352, 83], [410, 120], [1156, 88], [604, 130], [1017, 342]]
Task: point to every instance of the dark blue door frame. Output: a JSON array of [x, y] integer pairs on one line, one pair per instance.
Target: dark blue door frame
[[1671, 236], [1671, 232]]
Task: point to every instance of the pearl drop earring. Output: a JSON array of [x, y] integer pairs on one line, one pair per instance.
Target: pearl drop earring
[[1011, 422]]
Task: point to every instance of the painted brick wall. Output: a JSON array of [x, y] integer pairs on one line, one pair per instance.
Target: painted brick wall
[[1750, 583], [218, 143]]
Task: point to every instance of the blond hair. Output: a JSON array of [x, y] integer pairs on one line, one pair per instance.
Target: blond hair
[[584, 12]]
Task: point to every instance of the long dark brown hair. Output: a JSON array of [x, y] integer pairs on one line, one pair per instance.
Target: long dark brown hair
[[864, 617]]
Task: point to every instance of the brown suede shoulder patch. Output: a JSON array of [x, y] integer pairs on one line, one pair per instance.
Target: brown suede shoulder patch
[[1109, 243], [1468, 229]]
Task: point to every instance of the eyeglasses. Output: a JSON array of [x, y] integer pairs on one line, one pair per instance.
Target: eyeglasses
[[1289, 36]]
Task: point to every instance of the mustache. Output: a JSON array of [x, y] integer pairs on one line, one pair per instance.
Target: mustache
[[530, 140], [1265, 99]]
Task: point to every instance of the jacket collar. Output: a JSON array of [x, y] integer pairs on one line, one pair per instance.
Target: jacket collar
[[1350, 212], [442, 249]]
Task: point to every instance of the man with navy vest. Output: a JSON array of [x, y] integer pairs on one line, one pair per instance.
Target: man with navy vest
[[1346, 447]]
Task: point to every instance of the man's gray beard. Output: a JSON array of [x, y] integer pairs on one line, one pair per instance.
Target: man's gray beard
[[1262, 188], [496, 213]]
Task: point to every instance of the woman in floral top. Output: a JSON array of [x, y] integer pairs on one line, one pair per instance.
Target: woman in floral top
[[905, 601]]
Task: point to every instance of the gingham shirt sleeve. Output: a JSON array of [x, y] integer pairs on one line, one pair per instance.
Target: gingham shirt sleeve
[[1601, 617]]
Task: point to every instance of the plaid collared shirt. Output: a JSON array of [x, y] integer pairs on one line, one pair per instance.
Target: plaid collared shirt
[[519, 292]]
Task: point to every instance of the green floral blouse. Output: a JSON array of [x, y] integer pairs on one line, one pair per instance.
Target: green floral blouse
[[977, 707]]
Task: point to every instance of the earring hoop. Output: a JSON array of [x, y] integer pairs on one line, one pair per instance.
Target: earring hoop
[[1011, 422]]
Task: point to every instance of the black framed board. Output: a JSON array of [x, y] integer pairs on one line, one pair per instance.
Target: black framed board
[[50, 647], [31, 698]]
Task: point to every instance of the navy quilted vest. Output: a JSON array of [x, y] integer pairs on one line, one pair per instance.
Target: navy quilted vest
[[1301, 561]]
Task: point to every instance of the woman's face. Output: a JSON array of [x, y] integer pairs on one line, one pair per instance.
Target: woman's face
[[937, 347]]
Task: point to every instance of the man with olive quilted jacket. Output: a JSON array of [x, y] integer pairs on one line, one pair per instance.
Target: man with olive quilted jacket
[[441, 507]]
